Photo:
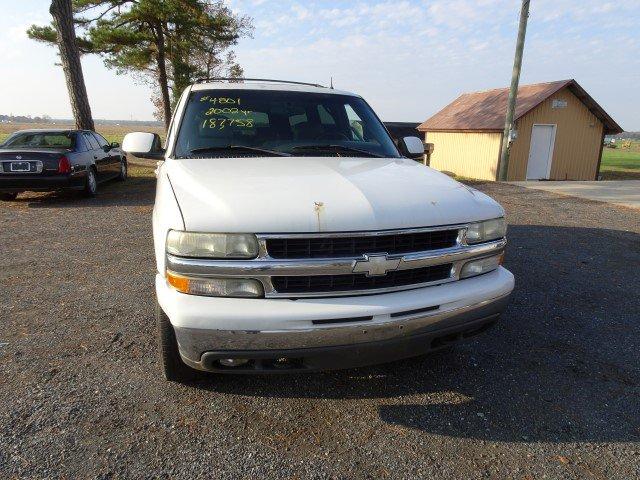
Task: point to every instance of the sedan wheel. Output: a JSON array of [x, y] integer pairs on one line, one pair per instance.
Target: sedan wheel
[[123, 171], [91, 183]]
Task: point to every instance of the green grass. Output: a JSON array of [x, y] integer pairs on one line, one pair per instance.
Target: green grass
[[621, 163], [112, 133]]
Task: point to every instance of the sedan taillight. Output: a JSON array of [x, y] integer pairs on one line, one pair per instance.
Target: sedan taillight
[[64, 165]]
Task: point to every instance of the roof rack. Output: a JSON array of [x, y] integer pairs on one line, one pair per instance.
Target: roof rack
[[231, 79]]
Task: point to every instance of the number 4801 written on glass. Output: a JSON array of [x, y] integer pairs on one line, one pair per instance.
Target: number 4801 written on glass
[[220, 100]]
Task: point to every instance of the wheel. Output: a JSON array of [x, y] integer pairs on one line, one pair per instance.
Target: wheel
[[123, 170], [7, 197], [173, 367], [91, 183]]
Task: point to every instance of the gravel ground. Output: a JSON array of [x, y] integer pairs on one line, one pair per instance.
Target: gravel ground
[[552, 392]]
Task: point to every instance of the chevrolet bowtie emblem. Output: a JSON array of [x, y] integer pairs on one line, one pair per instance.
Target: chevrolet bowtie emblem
[[376, 265]]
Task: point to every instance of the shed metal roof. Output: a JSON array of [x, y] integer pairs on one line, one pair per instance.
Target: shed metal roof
[[486, 110]]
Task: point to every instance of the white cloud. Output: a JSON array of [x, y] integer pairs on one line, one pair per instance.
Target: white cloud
[[14, 41], [301, 12]]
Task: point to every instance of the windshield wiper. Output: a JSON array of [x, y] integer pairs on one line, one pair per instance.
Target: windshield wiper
[[273, 153], [337, 147]]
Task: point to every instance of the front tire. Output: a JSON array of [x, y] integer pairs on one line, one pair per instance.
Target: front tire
[[91, 183], [173, 368], [124, 170], [8, 197]]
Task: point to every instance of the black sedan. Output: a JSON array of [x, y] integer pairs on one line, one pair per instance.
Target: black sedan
[[43, 160]]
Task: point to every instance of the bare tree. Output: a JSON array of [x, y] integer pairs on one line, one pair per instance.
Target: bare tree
[[70, 56]]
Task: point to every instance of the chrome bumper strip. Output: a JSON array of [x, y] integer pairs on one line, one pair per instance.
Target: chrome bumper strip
[[193, 342]]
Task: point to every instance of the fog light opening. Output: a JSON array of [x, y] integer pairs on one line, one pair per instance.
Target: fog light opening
[[281, 363], [284, 363], [233, 362]]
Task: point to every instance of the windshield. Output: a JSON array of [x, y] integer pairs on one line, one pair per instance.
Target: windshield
[[40, 140], [240, 123]]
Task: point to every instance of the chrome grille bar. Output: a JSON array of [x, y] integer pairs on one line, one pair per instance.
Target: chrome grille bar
[[264, 268], [325, 266]]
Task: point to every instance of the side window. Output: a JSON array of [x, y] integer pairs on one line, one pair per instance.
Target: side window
[[81, 145], [325, 117], [355, 123], [91, 141], [296, 119], [101, 141]]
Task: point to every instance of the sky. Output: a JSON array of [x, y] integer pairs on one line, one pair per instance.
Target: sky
[[407, 58]]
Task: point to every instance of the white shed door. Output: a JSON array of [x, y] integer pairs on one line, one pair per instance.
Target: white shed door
[[541, 151]]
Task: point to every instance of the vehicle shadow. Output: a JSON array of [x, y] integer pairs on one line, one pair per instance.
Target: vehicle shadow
[[562, 365], [135, 191]]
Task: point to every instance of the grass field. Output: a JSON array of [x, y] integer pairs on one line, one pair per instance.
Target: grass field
[[621, 163], [113, 133]]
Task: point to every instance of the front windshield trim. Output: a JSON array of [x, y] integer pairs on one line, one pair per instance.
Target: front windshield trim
[[380, 145], [384, 127]]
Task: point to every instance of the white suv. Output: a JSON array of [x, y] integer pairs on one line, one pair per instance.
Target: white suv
[[292, 234]]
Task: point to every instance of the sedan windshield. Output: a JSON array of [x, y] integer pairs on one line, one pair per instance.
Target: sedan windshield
[[40, 140], [241, 123]]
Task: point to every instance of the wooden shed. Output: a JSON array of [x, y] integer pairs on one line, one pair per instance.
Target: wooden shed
[[559, 128]]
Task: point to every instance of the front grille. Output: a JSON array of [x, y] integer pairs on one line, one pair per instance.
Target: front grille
[[352, 282], [356, 246]]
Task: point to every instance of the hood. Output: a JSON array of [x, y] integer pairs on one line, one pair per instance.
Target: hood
[[308, 194]]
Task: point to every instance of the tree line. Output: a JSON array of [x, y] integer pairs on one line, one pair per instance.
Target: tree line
[[167, 44]]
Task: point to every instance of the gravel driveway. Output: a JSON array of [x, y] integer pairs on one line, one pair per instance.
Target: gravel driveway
[[552, 392]]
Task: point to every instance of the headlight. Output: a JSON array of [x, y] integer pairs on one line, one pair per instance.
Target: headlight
[[217, 287], [483, 265], [212, 245], [485, 231]]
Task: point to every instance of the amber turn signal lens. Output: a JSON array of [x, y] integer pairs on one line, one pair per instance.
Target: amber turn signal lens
[[178, 282], [216, 287]]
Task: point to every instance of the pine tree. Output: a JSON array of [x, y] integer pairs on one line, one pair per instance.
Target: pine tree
[[169, 43], [63, 34]]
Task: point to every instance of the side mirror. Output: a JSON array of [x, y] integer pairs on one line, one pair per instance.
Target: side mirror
[[115, 145], [411, 147], [143, 145]]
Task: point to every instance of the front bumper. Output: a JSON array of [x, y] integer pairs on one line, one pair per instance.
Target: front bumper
[[35, 183], [327, 333]]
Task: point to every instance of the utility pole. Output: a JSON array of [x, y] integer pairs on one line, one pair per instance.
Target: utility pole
[[513, 92]]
